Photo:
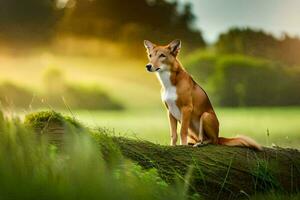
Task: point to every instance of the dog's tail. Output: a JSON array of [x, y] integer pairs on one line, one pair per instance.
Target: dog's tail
[[242, 141]]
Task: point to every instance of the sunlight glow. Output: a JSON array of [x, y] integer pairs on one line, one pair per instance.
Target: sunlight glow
[[61, 3]]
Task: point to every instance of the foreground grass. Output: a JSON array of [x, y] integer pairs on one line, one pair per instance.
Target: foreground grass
[[31, 168], [279, 126]]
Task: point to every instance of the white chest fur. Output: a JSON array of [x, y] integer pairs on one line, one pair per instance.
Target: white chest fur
[[169, 94]]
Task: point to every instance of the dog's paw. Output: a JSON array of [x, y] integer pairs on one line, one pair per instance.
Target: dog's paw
[[199, 144]]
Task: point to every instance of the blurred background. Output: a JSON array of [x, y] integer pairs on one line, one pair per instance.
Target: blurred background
[[86, 58]]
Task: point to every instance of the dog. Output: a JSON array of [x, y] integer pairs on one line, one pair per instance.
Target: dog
[[186, 102]]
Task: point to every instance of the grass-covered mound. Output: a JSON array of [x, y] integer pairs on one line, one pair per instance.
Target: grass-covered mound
[[48, 119], [52, 125], [213, 172]]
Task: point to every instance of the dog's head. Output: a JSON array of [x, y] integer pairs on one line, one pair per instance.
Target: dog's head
[[162, 58]]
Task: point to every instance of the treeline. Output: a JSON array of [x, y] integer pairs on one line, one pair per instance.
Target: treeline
[[250, 68], [116, 20], [31, 21], [158, 20], [238, 80], [40, 21], [258, 43]]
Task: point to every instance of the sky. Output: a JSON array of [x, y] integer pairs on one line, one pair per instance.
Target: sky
[[274, 16]]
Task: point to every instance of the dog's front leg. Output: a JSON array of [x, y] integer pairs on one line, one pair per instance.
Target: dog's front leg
[[173, 129], [185, 122]]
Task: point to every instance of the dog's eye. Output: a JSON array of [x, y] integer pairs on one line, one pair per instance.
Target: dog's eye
[[150, 55], [162, 55]]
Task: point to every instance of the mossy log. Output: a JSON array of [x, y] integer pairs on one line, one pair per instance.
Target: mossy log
[[219, 172], [213, 171]]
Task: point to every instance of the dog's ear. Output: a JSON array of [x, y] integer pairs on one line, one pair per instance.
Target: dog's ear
[[148, 45], [175, 46]]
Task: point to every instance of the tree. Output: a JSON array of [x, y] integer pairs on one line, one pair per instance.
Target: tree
[[258, 43], [30, 20], [157, 20]]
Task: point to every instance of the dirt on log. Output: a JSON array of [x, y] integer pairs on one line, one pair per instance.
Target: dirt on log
[[213, 171]]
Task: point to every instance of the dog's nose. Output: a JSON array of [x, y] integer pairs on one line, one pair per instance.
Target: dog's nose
[[148, 67]]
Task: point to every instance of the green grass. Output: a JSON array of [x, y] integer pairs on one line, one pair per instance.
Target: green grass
[[145, 117], [127, 81], [123, 79], [31, 168], [77, 168], [36, 171], [280, 126]]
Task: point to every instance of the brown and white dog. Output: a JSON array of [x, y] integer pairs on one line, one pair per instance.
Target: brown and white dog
[[186, 101]]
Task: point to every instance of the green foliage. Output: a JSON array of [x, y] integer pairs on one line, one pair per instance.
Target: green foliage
[[246, 81], [57, 94], [60, 94], [39, 119], [78, 97], [259, 44], [264, 179], [81, 97], [12, 95], [275, 196], [30, 20], [201, 65], [41, 20], [225, 174], [134, 22], [238, 80], [34, 169], [54, 81], [242, 81]]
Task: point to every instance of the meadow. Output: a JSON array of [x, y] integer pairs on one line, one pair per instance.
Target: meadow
[[89, 164], [145, 116], [269, 126], [63, 176], [33, 168], [81, 118]]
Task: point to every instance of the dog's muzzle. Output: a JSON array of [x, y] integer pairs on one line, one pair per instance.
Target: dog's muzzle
[[148, 67]]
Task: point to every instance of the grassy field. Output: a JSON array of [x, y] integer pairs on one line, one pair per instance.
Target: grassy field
[[32, 168], [122, 79], [145, 116], [280, 126], [89, 165]]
